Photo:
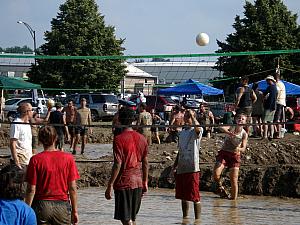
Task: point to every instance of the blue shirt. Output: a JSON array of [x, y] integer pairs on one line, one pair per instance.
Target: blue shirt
[[271, 93], [16, 212]]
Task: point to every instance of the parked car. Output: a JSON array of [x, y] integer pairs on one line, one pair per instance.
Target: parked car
[[158, 102], [103, 106], [220, 108], [162, 104], [11, 106], [127, 103], [193, 103]]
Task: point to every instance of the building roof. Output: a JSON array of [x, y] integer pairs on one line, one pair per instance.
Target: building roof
[[12, 61], [177, 64], [136, 72]]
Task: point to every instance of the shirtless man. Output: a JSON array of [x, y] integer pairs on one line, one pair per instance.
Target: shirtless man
[[145, 119], [70, 112], [83, 118], [176, 120]]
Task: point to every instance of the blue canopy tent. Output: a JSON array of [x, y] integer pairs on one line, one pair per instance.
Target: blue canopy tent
[[191, 87], [291, 89]]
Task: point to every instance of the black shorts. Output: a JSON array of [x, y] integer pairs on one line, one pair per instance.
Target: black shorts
[[60, 141], [278, 113], [71, 129], [81, 130], [127, 203]]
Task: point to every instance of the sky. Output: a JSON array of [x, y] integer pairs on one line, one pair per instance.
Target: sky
[[149, 27]]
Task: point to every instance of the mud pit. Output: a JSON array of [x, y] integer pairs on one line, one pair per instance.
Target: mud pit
[[268, 167]]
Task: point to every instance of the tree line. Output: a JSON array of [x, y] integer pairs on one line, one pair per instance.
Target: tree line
[[17, 49]]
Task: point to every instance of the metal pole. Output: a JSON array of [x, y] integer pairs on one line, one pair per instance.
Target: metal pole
[[32, 33]]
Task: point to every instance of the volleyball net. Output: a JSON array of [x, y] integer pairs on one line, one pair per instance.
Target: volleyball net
[[149, 73]]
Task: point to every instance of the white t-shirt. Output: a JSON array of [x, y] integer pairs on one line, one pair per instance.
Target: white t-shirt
[[22, 132], [189, 147], [281, 93]]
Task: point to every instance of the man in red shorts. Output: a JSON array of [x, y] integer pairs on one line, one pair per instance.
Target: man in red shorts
[[230, 154], [186, 165], [129, 177]]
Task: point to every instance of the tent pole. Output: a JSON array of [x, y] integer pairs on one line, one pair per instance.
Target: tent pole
[[1, 106]]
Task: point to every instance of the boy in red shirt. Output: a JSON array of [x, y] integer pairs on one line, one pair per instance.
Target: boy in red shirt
[[51, 177], [129, 177]]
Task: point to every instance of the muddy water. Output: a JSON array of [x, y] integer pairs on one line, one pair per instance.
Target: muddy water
[[160, 207], [92, 151]]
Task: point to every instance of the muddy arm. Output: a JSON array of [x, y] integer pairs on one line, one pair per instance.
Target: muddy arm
[[30, 192]]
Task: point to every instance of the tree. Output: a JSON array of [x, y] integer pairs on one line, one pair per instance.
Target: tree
[[267, 25], [16, 49], [79, 30]]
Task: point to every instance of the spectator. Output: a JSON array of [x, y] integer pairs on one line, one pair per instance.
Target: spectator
[[280, 104], [115, 123], [145, 119], [71, 112], [257, 111], [13, 210], [205, 117], [129, 176], [58, 119], [35, 121], [289, 117], [156, 120], [186, 165], [51, 178], [177, 121], [270, 96], [21, 137], [245, 97], [83, 118], [2, 106]]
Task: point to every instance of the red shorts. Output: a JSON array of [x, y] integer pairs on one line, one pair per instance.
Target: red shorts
[[229, 159], [188, 186]]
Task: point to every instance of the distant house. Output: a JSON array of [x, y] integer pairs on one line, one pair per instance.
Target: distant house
[[168, 72], [15, 67], [138, 80]]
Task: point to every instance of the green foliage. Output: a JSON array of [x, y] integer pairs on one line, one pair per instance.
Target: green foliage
[[267, 25], [79, 30], [16, 49]]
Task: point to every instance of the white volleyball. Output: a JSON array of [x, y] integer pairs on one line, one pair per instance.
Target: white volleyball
[[202, 39]]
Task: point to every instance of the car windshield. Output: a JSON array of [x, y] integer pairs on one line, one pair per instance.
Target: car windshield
[[11, 101]]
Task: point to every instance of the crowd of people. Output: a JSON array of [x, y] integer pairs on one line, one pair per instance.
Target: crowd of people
[[51, 192], [46, 180], [266, 112], [264, 108]]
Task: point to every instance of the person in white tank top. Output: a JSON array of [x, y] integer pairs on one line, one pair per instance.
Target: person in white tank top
[[230, 154]]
